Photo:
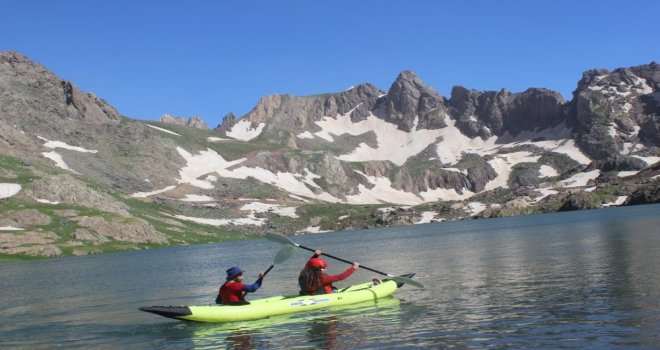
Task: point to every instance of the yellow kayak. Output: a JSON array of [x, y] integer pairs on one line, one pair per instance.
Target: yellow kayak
[[279, 305]]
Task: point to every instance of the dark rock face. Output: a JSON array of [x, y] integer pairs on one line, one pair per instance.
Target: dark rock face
[[534, 109], [524, 175], [621, 163], [646, 194], [491, 113], [408, 99], [479, 171], [580, 201]]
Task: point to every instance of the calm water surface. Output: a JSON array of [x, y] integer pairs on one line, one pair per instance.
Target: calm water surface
[[586, 279]]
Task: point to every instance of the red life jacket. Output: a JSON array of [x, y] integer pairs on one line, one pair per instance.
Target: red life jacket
[[231, 292]]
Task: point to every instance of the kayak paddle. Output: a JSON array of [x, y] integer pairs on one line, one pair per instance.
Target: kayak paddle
[[283, 255], [281, 239]]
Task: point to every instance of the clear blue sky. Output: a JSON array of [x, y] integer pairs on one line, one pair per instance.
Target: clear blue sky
[[209, 58]]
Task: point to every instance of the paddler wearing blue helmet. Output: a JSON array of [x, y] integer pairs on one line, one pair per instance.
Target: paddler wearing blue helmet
[[233, 290]]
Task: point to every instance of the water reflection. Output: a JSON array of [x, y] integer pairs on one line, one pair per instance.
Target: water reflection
[[240, 340], [324, 333]]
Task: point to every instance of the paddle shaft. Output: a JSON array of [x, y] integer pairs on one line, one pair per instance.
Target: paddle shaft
[[344, 260], [267, 271]]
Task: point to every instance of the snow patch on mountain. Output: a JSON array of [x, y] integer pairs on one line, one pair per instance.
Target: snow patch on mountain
[[548, 171], [59, 161], [259, 207], [393, 144], [46, 201], [11, 228], [503, 165], [556, 139], [454, 144], [60, 144], [627, 173], [427, 217], [8, 190], [163, 130], [250, 220], [544, 193], [197, 198], [313, 229], [398, 146], [206, 162], [147, 194], [475, 208], [243, 130], [383, 192], [56, 157], [618, 201], [209, 161], [580, 179], [649, 160]]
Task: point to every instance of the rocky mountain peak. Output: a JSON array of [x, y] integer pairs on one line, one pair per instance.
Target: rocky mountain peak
[[193, 122], [409, 99], [13, 57], [20, 77], [616, 112], [228, 121], [285, 115]]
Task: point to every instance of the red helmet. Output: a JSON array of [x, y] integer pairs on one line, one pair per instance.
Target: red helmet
[[317, 262]]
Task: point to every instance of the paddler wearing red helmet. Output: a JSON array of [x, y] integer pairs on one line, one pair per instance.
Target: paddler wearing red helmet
[[313, 279]]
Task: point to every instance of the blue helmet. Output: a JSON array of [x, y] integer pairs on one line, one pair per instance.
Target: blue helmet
[[233, 271]]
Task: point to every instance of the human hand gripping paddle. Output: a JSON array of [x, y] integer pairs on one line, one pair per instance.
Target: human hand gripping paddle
[[289, 243]]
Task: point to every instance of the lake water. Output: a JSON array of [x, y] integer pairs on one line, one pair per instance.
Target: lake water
[[587, 279]]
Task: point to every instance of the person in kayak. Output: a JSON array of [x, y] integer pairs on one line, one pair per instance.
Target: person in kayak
[[233, 290], [313, 279]]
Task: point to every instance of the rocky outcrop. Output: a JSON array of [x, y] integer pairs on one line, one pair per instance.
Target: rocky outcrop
[[228, 122], [30, 93], [524, 175], [65, 188], [609, 109], [646, 193], [25, 218], [292, 114], [193, 122], [580, 201], [135, 231], [489, 113]]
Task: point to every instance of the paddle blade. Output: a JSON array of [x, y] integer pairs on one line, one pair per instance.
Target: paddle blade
[[278, 238], [407, 280], [284, 254]]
